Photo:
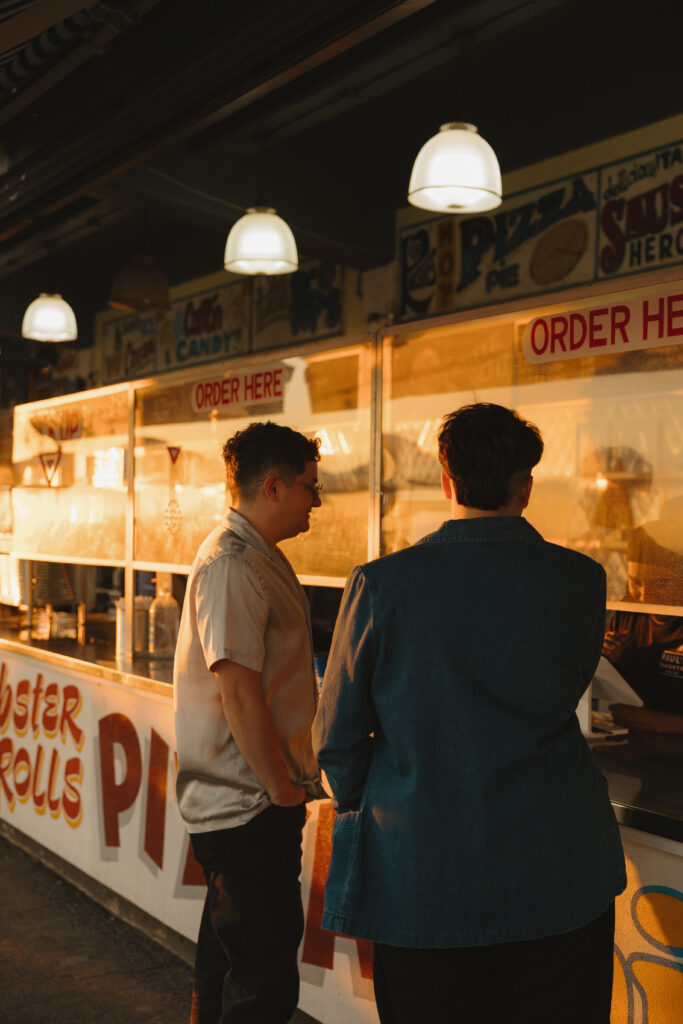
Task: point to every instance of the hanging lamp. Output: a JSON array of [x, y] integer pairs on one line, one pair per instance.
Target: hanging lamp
[[456, 171], [260, 242], [49, 318], [140, 287]]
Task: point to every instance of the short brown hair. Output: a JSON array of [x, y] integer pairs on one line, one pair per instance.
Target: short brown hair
[[263, 448], [480, 447]]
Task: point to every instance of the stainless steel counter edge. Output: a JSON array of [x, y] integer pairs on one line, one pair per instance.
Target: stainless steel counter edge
[[91, 669], [652, 822]]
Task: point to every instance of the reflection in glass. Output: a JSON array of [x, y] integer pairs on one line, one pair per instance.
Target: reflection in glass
[[71, 480], [612, 427]]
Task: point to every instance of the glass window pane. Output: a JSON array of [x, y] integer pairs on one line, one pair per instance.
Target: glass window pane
[[70, 470], [180, 491], [610, 482]]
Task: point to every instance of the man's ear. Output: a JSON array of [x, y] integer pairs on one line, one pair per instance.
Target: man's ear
[[446, 484], [525, 490], [270, 486]]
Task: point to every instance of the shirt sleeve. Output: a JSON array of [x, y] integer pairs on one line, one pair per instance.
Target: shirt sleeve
[[231, 613], [346, 719]]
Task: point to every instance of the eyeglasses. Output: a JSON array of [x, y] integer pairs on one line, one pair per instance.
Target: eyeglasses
[[313, 489]]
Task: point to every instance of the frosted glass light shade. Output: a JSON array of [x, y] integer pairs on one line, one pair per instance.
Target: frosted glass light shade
[[456, 171], [49, 318], [261, 243]]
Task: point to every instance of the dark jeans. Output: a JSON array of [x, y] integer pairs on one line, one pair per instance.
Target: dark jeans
[[561, 979], [246, 967]]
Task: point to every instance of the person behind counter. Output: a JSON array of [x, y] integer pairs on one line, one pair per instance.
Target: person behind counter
[[648, 649], [244, 691], [475, 843]]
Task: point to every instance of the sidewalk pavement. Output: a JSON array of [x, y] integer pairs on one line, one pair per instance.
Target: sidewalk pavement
[[64, 959]]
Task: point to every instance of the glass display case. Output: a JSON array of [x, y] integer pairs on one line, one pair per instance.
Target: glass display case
[[181, 427], [71, 477], [132, 477]]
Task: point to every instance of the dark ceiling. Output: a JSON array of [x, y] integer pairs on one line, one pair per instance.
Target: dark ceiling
[[151, 125]]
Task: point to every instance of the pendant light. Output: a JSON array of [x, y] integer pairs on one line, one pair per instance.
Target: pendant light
[[456, 171], [49, 318], [260, 242], [140, 287]]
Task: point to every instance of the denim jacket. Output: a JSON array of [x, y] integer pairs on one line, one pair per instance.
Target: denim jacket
[[470, 808]]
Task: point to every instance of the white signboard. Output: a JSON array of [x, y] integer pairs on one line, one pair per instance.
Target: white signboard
[[87, 769], [605, 329], [129, 347], [206, 327], [253, 386], [536, 241], [641, 213], [298, 307], [605, 222]]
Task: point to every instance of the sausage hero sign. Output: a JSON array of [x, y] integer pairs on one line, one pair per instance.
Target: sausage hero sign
[[605, 328]]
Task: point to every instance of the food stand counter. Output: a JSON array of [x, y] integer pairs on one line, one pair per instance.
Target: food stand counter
[[86, 750]]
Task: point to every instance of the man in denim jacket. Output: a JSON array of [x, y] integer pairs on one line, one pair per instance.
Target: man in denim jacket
[[475, 843]]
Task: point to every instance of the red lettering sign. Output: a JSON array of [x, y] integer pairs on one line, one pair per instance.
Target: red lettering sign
[[632, 324], [242, 388], [155, 819], [117, 797], [647, 213]]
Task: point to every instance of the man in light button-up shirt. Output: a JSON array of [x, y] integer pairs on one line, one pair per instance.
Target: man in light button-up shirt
[[245, 698]]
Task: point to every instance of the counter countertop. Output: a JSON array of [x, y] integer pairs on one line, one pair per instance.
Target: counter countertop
[[96, 659], [644, 773], [645, 779]]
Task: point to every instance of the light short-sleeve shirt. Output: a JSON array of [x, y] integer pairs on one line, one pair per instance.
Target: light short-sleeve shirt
[[243, 603]]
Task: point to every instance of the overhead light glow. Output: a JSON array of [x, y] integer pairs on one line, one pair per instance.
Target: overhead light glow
[[49, 318], [261, 243], [456, 171]]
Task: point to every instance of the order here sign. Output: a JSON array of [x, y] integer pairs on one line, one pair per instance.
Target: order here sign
[[646, 322], [251, 386]]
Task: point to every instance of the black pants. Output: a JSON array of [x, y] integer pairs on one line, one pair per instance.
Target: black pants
[[561, 979], [246, 967]]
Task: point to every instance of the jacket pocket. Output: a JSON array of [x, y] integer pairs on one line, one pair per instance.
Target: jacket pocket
[[341, 880], [347, 820]]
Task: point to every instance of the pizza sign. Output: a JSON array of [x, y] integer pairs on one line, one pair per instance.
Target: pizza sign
[[536, 241], [616, 219]]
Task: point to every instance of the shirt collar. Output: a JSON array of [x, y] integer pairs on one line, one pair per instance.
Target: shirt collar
[[240, 525]]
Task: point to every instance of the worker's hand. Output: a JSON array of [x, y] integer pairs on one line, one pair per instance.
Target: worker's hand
[[644, 719], [613, 645]]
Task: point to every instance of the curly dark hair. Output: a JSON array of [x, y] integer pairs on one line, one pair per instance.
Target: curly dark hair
[[480, 447], [263, 448]]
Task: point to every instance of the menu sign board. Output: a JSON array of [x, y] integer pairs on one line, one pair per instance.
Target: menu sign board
[[605, 222], [205, 327], [641, 216], [129, 347], [298, 307], [200, 328], [606, 329], [541, 239]]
